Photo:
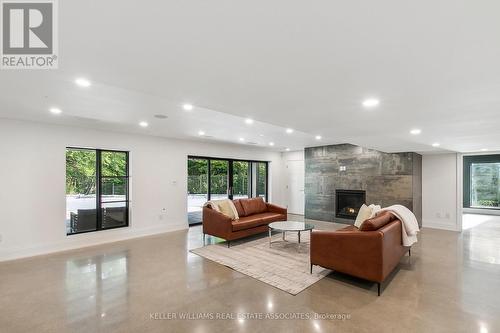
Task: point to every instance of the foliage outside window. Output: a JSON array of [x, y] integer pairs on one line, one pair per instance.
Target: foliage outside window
[[242, 173], [485, 189]]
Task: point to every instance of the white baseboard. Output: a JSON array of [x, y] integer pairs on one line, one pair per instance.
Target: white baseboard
[[87, 239], [431, 224]]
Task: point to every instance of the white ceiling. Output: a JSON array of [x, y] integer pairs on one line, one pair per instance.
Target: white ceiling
[[434, 65]]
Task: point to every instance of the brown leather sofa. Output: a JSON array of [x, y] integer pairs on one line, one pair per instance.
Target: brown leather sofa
[[370, 252], [254, 216]]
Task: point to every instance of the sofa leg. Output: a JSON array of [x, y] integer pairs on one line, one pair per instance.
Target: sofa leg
[[378, 288], [311, 268], [228, 244], [409, 252]]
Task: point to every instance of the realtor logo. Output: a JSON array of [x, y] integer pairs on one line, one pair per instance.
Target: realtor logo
[[29, 34]]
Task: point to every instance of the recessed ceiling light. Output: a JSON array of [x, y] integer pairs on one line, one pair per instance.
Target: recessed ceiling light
[[83, 82], [242, 139], [249, 121], [289, 130], [484, 149], [55, 110], [187, 107], [261, 135], [271, 143], [201, 133], [318, 137], [371, 102], [287, 149], [436, 144], [416, 131], [143, 124]]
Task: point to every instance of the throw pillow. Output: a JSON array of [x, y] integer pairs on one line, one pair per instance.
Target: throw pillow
[[375, 210], [364, 214], [213, 205], [227, 208]]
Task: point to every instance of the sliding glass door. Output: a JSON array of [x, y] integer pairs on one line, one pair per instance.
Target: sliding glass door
[[241, 180], [197, 188], [216, 179], [219, 179], [261, 179]]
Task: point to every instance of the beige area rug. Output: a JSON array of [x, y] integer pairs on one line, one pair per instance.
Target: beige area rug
[[284, 265]]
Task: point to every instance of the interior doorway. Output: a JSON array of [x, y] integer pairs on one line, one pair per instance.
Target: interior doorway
[[295, 186]]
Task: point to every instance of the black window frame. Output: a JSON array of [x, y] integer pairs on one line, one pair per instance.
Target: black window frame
[[231, 173], [467, 163], [98, 179], [266, 179]]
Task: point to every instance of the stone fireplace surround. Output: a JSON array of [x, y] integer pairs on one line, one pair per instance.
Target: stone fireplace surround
[[387, 179]]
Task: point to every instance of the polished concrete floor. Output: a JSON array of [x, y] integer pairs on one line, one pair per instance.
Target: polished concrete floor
[[450, 284]]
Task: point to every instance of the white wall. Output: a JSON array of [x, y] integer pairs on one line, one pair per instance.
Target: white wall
[[439, 192], [293, 155], [32, 184]]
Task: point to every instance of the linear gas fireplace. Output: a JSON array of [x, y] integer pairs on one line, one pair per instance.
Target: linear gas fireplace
[[348, 203]]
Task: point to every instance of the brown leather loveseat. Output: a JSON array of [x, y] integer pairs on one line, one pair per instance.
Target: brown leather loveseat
[[254, 216], [370, 252]]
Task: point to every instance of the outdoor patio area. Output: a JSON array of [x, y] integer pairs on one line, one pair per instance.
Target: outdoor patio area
[[196, 202]]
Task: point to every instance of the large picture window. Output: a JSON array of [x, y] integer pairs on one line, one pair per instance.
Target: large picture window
[[216, 178], [481, 182], [97, 195]]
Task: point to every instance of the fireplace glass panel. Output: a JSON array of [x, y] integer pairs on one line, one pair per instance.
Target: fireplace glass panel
[[348, 203]]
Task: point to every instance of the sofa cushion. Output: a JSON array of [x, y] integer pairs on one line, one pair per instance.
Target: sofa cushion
[[377, 222], [239, 208], [247, 222], [270, 217], [253, 206]]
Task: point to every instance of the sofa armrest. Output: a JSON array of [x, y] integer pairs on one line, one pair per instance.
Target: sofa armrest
[[276, 209], [358, 253], [216, 223], [393, 248]]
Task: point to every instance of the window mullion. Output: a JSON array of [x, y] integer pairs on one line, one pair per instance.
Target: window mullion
[[99, 190]]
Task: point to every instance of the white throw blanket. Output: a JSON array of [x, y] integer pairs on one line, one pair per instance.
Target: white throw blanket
[[408, 222]]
